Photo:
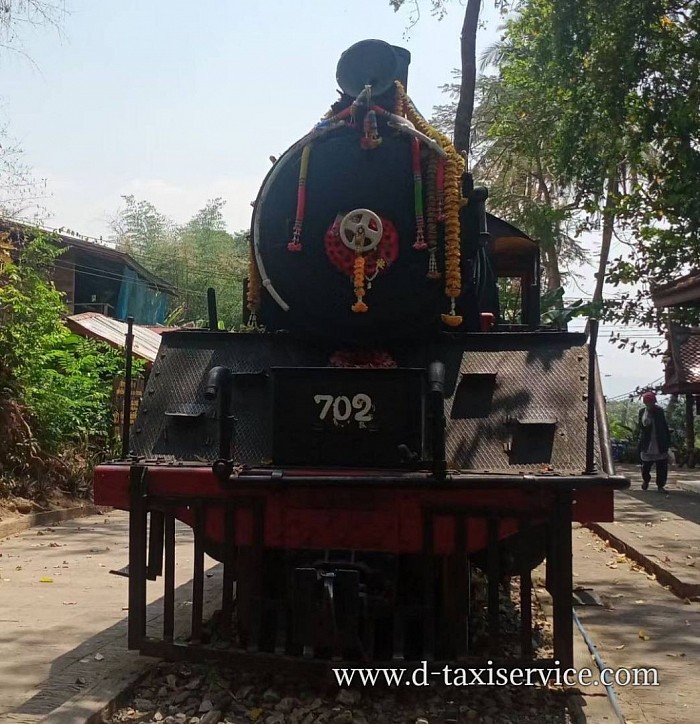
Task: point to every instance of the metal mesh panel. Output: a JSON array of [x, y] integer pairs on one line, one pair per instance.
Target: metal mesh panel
[[539, 393], [177, 384], [514, 401]]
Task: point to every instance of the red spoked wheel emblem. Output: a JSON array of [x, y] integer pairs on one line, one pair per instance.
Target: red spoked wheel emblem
[[382, 256]]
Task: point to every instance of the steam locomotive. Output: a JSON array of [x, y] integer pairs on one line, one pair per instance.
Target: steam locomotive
[[381, 430]]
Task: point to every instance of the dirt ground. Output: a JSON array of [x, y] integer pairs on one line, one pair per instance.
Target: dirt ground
[[13, 507]]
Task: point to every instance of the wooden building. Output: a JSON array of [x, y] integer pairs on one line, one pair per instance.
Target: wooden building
[[97, 278]]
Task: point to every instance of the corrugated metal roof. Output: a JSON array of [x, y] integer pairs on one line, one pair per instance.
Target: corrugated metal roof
[[112, 331]]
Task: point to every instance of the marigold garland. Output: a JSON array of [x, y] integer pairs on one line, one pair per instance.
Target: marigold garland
[[399, 108], [454, 169], [359, 283]]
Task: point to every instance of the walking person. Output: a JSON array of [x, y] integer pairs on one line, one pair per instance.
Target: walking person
[[654, 440]]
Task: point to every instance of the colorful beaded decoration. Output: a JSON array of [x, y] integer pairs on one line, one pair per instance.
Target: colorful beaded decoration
[[254, 286], [371, 139], [419, 244], [431, 234], [295, 243], [454, 169]]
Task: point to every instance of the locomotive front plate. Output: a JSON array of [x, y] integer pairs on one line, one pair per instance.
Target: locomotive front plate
[[347, 417]]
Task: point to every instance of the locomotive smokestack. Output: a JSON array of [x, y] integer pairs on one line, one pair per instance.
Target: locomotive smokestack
[[372, 62]]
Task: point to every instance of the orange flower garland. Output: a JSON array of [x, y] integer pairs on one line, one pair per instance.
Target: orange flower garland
[[399, 108], [359, 283], [454, 169]]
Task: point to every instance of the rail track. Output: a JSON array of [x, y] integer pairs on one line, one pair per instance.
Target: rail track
[[306, 693]]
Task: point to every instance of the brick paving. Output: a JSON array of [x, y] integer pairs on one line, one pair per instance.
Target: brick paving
[[643, 622], [65, 640]]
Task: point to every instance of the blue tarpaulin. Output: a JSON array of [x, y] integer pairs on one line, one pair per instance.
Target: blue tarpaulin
[[140, 301]]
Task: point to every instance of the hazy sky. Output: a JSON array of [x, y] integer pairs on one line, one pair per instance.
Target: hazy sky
[[178, 102]]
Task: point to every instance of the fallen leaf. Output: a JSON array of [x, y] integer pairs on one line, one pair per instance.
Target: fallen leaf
[[69, 603], [46, 579], [644, 635]]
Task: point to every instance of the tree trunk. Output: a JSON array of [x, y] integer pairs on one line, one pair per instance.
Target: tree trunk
[[551, 269], [690, 430], [465, 107], [606, 240]]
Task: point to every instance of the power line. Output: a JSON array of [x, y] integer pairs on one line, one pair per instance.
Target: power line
[[135, 282], [631, 393]]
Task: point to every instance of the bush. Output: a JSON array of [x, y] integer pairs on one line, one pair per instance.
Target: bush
[[55, 387]]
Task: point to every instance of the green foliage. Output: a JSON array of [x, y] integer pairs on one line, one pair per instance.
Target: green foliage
[[192, 257], [510, 300], [63, 382], [555, 313], [629, 129], [622, 419], [591, 122]]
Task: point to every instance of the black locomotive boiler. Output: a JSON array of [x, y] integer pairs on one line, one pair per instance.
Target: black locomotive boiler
[[381, 430]]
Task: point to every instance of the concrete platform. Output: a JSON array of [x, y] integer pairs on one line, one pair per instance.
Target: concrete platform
[[687, 479], [63, 617], [641, 624], [660, 532]]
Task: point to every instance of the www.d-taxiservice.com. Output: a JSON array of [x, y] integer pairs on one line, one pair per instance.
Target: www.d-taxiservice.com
[[499, 676]]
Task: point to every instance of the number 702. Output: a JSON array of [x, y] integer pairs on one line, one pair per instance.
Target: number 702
[[342, 407]]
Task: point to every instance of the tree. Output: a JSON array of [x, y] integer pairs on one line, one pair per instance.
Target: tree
[[20, 192], [663, 212], [16, 15], [512, 155], [193, 257], [467, 85], [55, 387]]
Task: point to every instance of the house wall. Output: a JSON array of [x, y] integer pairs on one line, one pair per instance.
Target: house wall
[[63, 276]]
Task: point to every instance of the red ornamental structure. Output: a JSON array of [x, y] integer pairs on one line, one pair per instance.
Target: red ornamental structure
[[682, 359]]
